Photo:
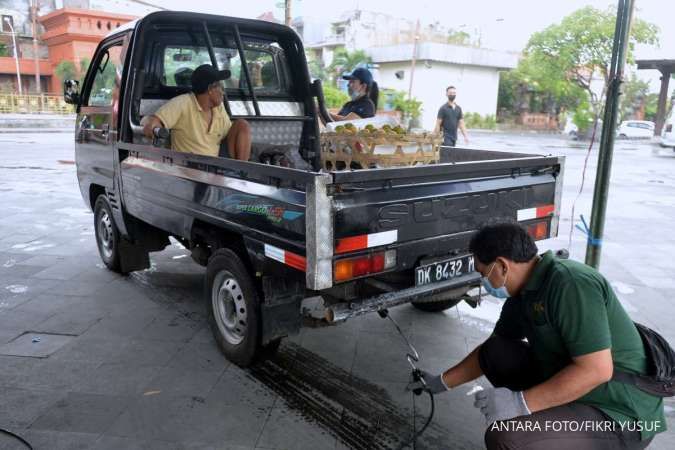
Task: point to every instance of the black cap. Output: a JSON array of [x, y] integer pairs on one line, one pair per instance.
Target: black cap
[[362, 74], [206, 74]]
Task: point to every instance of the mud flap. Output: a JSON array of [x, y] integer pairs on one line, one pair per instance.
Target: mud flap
[[132, 257], [280, 310]]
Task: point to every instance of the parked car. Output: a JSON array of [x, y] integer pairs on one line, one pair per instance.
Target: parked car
[[282, 246], [668, 134], [635, 129]]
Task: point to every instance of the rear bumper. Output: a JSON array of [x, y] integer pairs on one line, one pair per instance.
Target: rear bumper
[[343, 311]]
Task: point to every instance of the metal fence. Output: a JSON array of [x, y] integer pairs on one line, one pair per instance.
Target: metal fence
[[34, 103]]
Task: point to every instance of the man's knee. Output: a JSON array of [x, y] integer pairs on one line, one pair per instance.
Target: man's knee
[[242, 126], [507, 363]]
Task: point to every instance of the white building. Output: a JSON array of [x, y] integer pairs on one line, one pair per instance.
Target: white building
[[473, 71], [389, 42]]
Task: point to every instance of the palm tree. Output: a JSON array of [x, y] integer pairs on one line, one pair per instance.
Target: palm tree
[[345, 61]]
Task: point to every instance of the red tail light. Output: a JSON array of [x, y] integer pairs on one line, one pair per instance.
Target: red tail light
[[538, 230], [349, 268]]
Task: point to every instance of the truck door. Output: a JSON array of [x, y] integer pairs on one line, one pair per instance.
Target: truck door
[[96, 129]]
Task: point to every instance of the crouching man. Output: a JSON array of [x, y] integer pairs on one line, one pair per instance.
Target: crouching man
[[198, 120], [555, 390]]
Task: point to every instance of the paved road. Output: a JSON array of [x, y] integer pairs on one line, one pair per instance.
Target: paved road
[[136, 368]]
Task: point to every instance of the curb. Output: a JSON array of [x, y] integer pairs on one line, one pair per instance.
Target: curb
[[35, 130]]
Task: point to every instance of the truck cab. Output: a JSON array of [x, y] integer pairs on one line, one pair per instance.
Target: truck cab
[[283, 244]]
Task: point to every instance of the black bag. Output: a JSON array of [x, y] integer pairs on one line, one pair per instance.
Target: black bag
[[660, 377]]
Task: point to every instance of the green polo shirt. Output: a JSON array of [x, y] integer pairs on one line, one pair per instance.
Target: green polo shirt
[[568, 309]]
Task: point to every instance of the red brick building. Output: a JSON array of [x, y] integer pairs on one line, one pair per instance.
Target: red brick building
[[69, 34]]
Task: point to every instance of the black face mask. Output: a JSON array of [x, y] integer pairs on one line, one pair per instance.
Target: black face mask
[[452, 97]]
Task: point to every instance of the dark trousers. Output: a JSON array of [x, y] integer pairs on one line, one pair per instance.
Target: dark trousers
[[511, 364], [445, 149]]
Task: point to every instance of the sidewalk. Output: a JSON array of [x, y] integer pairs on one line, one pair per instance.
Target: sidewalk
[[37, 123]]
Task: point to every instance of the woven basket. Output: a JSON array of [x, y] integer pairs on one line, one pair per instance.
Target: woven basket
[[366, 150]]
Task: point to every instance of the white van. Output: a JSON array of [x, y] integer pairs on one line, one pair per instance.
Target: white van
[[668, 133]]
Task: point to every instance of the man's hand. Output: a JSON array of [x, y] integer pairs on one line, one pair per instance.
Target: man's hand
[[432, 383], [501, 404], [149, 124]]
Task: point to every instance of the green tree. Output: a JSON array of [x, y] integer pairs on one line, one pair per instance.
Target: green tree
[[345, 61], [651, 105], [634, 94], [65, 70], [458, 37], [334, 97], [316, 68], [84, 66], [4, 51], [578, 48]]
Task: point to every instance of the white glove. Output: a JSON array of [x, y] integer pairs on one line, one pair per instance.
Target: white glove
[[432, 383], [501, 404]]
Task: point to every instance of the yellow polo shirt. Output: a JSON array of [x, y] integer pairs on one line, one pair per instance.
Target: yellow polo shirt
[[189, 133]]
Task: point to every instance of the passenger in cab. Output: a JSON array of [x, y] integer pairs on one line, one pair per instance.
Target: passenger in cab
[[198, 120], [364, 93]]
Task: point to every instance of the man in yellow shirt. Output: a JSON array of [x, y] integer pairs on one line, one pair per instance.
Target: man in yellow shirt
[[198, 120]]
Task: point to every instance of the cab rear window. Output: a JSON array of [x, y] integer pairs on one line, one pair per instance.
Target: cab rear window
[[265, 60]]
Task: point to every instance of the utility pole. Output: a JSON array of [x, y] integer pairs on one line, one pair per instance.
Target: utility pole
[[16, 54], [624, 18], [414, 58], [33, 12], [287, 11]]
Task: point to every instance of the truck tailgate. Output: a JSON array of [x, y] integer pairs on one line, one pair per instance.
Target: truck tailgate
[[432, 210]]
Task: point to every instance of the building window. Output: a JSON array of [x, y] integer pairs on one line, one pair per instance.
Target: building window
[[6, 28]]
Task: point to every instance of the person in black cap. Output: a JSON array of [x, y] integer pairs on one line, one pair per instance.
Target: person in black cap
[[198, 120], [364, 92]]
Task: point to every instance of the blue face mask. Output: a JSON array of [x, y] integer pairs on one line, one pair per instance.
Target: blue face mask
[[500, 292]]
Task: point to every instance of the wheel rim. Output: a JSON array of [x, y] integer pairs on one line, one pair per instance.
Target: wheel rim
[[106, 240], [229, 307]]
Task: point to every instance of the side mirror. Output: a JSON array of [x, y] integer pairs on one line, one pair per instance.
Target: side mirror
[[71, 92]]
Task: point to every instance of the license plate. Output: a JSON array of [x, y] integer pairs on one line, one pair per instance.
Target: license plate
[[443, 270]]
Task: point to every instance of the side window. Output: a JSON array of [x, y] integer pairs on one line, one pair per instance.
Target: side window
[[108, 73]]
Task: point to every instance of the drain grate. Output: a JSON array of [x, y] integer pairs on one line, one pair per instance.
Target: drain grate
[[34, 344]]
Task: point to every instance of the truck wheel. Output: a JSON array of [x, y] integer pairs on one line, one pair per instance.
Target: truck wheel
[[436, 306], [234, 308], [107, 235]]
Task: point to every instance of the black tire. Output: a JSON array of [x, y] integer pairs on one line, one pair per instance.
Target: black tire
[[233, 307], [107, 235], [436, 306]]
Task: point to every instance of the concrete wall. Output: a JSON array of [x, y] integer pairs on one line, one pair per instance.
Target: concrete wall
[[477, 87]]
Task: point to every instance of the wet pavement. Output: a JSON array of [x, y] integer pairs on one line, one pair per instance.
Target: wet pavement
[[128, 362]]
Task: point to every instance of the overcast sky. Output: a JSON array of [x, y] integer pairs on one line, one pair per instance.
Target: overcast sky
[[518, 19]]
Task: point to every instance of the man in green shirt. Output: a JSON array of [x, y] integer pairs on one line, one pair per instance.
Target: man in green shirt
[[554, 391]]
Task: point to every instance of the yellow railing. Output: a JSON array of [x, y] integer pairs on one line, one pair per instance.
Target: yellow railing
[[34, 103]]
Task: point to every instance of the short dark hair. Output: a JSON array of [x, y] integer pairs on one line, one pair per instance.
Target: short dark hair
[[506, 239], [449, 87]]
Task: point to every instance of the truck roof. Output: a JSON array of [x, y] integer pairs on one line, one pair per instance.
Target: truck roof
[[261, 25]]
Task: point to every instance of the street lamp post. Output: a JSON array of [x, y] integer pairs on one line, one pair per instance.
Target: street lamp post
[[34, 6], [16, 54]]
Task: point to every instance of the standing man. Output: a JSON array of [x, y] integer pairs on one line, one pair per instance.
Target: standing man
[[450, 117], [554, 391]]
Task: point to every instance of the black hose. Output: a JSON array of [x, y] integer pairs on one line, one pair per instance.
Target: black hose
[[17, 437], [417, 434]]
